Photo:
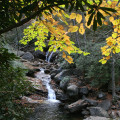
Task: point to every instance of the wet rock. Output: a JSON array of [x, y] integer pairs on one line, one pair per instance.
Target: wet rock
[[39, 54], [53, 75], [28, 56], [46, 71], [31, 73], [63, 73], [97, 118], [58, 78], [62, 97], [105, 104], [77, 106], [56, 71], [113, 115], [83, 91], [31, 101], [64, 82], [118, 113], [85, 112], [98, 111], [92, 102], [72, 91], [101, 95]]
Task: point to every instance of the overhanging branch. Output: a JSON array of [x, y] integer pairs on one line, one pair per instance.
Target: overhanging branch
[[28, 18]]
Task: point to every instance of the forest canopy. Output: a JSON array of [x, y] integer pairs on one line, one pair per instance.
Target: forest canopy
[[15, 13]]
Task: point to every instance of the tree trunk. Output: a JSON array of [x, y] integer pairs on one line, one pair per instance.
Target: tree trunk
[[113, 78]]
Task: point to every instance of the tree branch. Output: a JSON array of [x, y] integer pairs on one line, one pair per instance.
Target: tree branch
[[28, 18]]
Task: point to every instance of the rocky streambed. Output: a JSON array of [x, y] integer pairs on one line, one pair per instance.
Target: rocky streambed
[[77, 98]]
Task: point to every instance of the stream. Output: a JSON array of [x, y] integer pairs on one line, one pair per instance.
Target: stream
[[49, 109]]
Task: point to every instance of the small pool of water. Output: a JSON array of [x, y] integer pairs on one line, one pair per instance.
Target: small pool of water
[[52, 111]]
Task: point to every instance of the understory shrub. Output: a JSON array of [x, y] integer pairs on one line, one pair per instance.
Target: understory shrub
[[12, 86]]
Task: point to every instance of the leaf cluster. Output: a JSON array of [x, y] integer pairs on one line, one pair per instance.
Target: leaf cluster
[[12, 86]]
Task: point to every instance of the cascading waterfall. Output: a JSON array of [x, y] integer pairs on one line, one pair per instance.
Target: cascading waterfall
[[48, 58], [46, 81]]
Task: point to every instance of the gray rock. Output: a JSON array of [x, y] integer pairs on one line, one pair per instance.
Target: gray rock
[[28, 56], [105, 104], [96, 118], [19, 53], [92, 102], [61, 96], [47, 71], [118, 113], [101, 95], [64, 82], [113, 115], [98, 111], [72, 91], [63, 73], [39, 54], [83, 91], [77, 106], [85, 112], [53, 75], [58, 77]]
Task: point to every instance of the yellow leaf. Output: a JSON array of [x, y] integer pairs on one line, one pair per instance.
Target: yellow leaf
[[67, 42], [117, 50], [73, 29], [108, 57], [88, 26], [105, 23], [103, 61], [114, 35], [64, 55], [111, 19], [85, 53], [60, 26], [73, 16], [81, 29], [69, 59], [79, 18]]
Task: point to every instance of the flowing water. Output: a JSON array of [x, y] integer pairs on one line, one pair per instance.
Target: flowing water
[[50, 110]]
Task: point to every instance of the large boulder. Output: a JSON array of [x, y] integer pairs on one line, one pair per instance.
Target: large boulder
[[28, 56], [83, 91], [98, 111], [72, 91], [97, 118], [105, 104], [64, 82], [39, 54], [62, 97], [63, 73]]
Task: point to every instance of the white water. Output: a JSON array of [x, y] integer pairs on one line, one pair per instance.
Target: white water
[[46, 81], [48, 57]]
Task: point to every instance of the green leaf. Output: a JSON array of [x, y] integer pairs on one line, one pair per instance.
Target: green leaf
[[90, 19]]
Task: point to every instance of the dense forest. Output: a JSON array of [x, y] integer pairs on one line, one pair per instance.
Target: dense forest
[[59, 59]]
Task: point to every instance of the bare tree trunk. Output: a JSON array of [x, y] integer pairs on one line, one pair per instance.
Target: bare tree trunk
[[113, 77]]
